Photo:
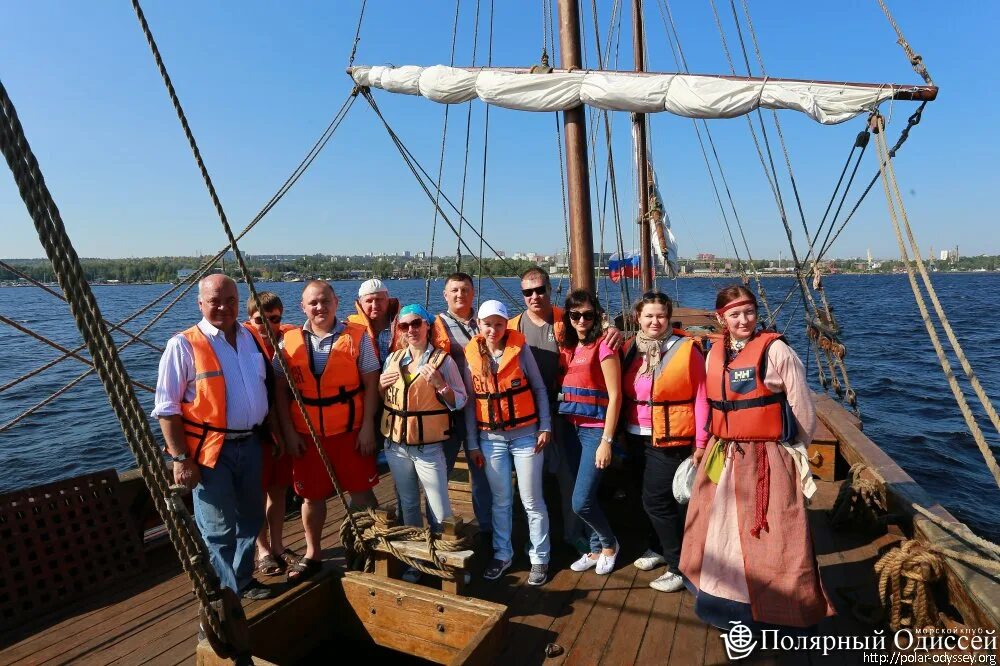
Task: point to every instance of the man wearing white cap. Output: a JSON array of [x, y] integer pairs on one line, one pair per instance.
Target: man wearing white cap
[[377, 313], [509, 409]]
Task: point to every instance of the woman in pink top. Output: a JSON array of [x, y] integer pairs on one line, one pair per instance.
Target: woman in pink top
[[666, 410], [590, 399]]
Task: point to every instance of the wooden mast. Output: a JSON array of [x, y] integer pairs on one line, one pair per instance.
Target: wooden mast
[[581, 237], [641, 158]]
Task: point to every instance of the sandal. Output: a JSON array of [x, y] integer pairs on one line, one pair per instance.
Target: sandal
[[271, 566], [303, 569], [290, 557]]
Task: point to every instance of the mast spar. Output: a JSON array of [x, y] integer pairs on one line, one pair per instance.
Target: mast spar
[[641, 159], [581, 237]]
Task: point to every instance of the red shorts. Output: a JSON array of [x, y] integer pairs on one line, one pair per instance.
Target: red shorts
[[275, 471], [355, 473]]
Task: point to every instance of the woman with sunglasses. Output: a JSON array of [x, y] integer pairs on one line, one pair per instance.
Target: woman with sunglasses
[[510, 411], [590, 400], [748, 553], [421, 386], [665, 411]]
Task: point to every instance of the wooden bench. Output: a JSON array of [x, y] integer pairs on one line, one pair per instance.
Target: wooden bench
[[452, 527]]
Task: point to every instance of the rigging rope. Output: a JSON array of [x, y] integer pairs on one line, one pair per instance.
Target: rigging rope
[[420, 173], [486, 148], [916, 61], [64, 350], [272, 338], [894, 199], [468, 138], [444, 138], [69, 273], [357, 34], [49, 290]]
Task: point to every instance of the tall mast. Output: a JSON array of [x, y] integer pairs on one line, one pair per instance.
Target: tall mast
[[641, 159], [581, 237]]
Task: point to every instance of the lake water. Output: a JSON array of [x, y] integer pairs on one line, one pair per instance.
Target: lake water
[[905, 402]]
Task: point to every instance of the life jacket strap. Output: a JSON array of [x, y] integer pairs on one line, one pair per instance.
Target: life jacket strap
[[749, 403], [342, 396]]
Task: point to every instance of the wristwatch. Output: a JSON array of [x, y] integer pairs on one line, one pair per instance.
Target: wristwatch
[[179, 458]]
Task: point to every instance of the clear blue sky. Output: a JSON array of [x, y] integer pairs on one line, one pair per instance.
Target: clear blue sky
[[260, 80]]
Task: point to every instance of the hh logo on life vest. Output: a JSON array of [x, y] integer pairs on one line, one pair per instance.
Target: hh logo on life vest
[[742, 380], [515, 383]]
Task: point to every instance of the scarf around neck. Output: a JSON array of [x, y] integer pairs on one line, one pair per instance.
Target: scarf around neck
[[651, 351]]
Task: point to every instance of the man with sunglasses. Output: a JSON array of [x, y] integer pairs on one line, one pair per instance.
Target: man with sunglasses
[[453, 329], [542, 326], [276, 472]]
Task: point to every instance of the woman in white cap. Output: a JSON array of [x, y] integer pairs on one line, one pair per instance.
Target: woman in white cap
[[421, 386], [508, 407]]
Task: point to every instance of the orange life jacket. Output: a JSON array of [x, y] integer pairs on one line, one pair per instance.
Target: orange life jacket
[[558, 327], [504, 400], [361, 319], [335, 399], [673, 392], [743, 408], [413, 413], [584, 391], [262, 340], [439, 334], [205, 418]]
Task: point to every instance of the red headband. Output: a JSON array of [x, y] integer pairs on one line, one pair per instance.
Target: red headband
[[735, 304]]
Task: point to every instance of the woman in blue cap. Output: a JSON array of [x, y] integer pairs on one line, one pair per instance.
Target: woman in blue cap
[[421, 386]]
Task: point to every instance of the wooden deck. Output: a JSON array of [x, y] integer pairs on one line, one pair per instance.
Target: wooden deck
[[615, 619]]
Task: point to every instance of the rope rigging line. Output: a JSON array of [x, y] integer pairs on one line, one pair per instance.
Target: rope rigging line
[[894, 200], [357, 34], [468, 139], [69, 273], [420, 173], [444, 138], [486, 149], [114, 327], [916, 61], [272, 338], [673, 36], [55, 345], [189, 282]]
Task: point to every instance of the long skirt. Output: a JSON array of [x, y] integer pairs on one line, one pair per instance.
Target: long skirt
[[760, 577]]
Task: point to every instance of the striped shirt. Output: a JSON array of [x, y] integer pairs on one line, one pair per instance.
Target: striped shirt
[[243, 369], [320, 345]]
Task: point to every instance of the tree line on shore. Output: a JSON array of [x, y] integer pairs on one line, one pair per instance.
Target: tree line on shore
[[170, 269]]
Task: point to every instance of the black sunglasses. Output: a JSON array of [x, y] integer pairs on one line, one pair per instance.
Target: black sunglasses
[[537, 291], [577, 315], [415, 324], [274, 319]]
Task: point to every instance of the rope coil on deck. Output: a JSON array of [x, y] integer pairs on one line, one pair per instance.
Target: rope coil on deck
[[861, 502], [905, 576], [377, 532]]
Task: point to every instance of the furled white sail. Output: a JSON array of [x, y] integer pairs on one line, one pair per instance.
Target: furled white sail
[[688, 95]]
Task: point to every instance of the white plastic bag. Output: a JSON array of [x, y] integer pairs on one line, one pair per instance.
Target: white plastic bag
[[684, 480]]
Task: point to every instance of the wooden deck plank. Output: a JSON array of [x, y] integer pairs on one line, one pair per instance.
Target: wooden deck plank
[[627, 637], [659, 635], [580, 604], [604, 616], [688, 645]]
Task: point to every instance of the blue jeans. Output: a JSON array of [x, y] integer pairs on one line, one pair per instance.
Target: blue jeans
[[528, 467], [482, 498], [229, 510], [588, 479], [413, 467], [562, 457]]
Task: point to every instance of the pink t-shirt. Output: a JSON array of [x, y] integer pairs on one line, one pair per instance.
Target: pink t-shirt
[[603, 352], [638, 413]]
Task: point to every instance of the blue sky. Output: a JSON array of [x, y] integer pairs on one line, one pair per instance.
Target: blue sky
[[260, 80]]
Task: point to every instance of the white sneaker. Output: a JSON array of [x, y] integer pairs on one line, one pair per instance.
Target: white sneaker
[[649, 560], [606, 563], [668, 582], [583, 563]]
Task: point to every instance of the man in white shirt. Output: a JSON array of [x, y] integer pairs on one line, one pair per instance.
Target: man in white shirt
[[211, 399]]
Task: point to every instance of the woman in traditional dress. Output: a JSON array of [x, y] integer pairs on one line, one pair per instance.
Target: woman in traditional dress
[[748, 555], [421, 385], [665, 415], [590, 399]]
